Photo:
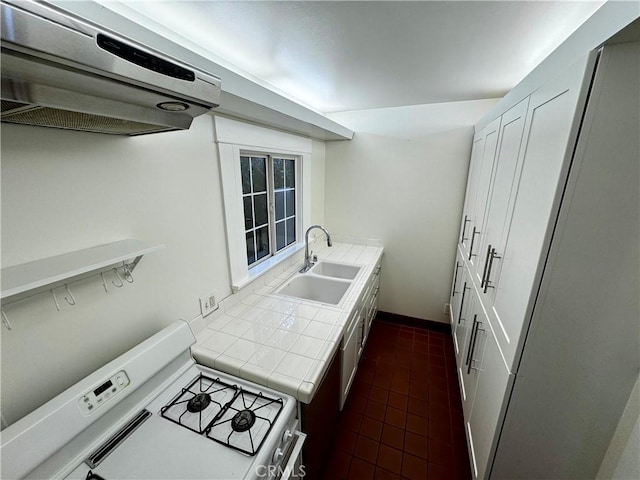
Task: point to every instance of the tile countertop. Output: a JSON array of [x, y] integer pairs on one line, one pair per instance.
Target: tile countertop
[[278, 341]]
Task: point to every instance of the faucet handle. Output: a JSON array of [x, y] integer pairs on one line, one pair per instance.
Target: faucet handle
[[314, 258]]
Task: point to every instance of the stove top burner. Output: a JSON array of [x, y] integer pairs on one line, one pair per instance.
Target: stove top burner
[[198, 402], [228, 414], [243, 420], [246, 421]]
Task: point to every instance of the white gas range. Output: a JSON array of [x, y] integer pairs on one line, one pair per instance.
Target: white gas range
[[153, 413]]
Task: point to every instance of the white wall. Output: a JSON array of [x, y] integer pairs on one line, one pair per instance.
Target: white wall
[[63, 191], [402, 180], [317, 182], [408, 194]]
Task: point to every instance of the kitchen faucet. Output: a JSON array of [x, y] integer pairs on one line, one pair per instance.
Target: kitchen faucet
[[308, 262]]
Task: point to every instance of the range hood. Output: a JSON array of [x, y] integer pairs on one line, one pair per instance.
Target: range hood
[[61, 71]]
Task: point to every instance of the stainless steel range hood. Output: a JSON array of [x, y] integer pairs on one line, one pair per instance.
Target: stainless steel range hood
[[61, 71]]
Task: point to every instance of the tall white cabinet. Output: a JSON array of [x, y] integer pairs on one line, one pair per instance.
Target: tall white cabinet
[[545, 306]]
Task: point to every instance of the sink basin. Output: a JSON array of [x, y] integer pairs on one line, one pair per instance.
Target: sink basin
[[316, 289], [337, 270]]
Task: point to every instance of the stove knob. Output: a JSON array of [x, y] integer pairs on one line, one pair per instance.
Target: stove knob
[[278, 455], [287, 436]]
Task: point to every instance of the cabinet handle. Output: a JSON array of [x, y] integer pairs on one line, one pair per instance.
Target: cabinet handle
[[464, 229], [473, 237], [455, 279], [486, 264], [473, 349], [472, 339], [362, 335], [491, 258], [378, 270], [464, 291]]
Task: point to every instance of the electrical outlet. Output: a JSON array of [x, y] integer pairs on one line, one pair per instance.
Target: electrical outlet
[[447, 309], [208, 304]]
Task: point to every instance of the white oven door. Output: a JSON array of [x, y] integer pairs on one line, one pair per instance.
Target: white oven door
[[293, 467]]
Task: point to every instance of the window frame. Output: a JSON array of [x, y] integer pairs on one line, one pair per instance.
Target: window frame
[[232, 137]]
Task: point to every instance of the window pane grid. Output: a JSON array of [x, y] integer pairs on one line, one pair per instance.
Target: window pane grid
[[255, 203], [285, 199], [269, 199]]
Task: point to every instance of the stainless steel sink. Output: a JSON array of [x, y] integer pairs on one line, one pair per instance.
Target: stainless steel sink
[[316, 288], [336, 270]]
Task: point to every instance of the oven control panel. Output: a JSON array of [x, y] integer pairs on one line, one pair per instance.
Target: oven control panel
[[104, 392]]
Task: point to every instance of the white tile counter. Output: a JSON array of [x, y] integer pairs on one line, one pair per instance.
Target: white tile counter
[[282, 342]]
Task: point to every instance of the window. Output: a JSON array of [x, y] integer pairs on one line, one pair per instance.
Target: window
[[284, 182], [269, 204]]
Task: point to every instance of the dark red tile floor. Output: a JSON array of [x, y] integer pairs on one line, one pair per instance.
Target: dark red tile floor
[[403, 418]]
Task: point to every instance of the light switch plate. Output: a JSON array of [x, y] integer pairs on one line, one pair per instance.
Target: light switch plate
[[208, 304]]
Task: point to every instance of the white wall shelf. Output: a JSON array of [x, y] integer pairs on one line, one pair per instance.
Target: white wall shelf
[[33, 277]]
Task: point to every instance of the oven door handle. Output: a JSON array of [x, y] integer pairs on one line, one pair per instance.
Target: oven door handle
[[288, 471]]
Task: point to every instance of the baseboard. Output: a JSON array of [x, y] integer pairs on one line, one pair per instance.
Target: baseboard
[[414, 322]]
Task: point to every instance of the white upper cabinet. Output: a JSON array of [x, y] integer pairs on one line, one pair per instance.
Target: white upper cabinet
[[483, 154], [513, 272], [472, 183], [506, 170]]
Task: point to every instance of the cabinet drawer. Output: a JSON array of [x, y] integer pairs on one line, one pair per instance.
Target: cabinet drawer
[[374, 279]]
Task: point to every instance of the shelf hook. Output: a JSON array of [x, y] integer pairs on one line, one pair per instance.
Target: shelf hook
[[5, 321], [73, 299], [104, 282], [127, 274], [115, 270], [55, 299]]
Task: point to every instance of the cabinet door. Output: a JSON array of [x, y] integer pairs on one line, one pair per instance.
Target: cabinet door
[[456, 291], [349, 357], [493, 381], [550, 131], [461, 328], [476, 325], [503, 186], [476, 225], [472, 183], [461, 325], [482, 156]]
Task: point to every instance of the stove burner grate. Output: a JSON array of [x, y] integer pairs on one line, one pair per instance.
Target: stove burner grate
[[246, 422], [93, 476], [200, 404], [225, 413]]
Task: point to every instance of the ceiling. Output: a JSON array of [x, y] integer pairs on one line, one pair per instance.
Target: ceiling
[[343, 56]]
